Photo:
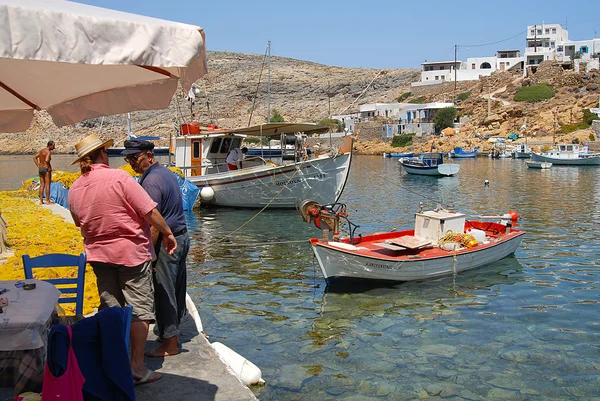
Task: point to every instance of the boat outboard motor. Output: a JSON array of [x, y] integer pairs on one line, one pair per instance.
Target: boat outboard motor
[[327, 218]]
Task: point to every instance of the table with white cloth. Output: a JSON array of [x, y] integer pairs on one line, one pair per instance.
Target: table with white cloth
[[24, 327]]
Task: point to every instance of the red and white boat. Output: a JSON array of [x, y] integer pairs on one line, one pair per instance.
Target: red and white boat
[[442, 243]]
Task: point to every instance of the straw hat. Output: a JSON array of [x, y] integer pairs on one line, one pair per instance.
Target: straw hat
[[89, 144]]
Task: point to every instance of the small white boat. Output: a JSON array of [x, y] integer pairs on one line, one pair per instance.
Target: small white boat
[[521, 151], [442, 243], [568, 154], [539, 165], [429, 163], [260, 182], [499, 150]]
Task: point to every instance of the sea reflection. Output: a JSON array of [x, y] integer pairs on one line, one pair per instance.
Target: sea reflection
[[418, 300], [525, 327]]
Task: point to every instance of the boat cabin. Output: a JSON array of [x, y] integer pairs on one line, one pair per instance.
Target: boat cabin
[[204, 154], [429, 159], [200, 153], [568, 151]]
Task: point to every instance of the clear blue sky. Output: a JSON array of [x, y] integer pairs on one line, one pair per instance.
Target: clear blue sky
[[368, 34]]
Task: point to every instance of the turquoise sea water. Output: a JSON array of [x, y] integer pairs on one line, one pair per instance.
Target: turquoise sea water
[[524, 328], [527, 327]]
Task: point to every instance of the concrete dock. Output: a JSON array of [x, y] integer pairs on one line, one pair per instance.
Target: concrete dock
[[197, 373]]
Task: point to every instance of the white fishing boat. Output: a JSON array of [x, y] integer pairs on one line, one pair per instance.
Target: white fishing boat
[[521, 151], [429, 163], [539, 165], [568, 154], [499, 150], [442, 243], [260, 182]]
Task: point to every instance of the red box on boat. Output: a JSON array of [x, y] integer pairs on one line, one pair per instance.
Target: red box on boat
[[190, 128]]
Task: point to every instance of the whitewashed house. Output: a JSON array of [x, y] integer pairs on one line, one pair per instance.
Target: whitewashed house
[[413, 119], [551, 42], [437, 72], [385, 110]]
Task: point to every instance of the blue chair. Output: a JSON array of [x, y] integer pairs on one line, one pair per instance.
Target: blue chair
[[61, 260]]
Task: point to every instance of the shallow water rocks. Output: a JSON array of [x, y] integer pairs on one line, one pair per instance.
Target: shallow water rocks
[[504, 395], [443, 350]]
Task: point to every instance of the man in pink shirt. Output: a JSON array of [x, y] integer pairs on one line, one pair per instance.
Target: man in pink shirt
[[114, 213]]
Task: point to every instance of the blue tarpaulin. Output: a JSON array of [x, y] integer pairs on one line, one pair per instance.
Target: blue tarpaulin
[[59, 194], [189, 193]]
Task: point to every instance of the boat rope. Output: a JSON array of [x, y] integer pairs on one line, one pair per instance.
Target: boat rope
[[362, 93], [179, 113], [254, 244], [262, 67], [219, 240], [466, 240]]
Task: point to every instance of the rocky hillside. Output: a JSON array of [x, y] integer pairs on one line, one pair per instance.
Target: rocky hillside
[[493, 112], [300, 91], [305, 91]]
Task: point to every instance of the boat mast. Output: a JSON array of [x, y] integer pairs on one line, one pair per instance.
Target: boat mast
[[128, 125], [269, 82], [554, 123]]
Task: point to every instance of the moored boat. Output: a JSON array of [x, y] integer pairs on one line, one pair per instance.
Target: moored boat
[[521, 151], [260, 182], [568, 154], [442, 243], [538, 165], [460, 153], [499, 150], [429, 163], [397, 155]]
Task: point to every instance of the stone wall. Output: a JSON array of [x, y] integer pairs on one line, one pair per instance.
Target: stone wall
[[368, 130]]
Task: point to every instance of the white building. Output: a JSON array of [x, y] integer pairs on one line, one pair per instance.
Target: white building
[[449, 71], [421, 113], [439, 71], [551, 42], [413, 119], [385, 110], [543, 42], [348, 120]]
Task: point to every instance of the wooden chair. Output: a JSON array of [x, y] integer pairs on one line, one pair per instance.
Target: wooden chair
[[61, 260]]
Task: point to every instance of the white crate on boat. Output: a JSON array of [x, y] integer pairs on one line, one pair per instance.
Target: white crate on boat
[[434, 225]]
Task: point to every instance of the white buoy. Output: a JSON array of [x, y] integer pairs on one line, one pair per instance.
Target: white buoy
[[247, 372], [191, 307], [207, 193]]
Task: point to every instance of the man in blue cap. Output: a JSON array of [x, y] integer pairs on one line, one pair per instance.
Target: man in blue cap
[[170, 270]]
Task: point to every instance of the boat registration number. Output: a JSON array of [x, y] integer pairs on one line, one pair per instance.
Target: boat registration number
[[298, 180]]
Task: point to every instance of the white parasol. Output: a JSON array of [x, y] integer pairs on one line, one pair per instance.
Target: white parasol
[[79, 62]]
